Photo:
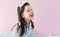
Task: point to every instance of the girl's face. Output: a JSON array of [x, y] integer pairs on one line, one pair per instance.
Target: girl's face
[[28, 13]]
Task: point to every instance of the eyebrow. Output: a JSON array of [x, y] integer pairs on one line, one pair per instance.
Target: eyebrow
[[29, 8]]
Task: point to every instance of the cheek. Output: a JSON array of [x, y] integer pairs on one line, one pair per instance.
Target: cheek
[[26, 15]]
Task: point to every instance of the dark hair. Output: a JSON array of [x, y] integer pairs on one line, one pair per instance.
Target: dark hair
[[21, 20]]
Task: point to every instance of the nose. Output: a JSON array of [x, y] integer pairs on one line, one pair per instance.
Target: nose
[[31, 11]]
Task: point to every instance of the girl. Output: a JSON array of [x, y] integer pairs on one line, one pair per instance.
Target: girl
[[25, 26]]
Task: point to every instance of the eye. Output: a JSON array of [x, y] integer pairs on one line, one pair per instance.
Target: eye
[[28, 10], [31, 10]]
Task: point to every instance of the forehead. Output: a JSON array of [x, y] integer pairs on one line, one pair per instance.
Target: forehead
[[27, 7]]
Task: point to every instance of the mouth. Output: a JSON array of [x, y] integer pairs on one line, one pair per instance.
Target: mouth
[[31, 15]]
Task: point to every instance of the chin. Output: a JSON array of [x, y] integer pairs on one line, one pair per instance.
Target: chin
[[31, 18]]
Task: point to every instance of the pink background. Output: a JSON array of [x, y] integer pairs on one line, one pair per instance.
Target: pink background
[[47, 15]]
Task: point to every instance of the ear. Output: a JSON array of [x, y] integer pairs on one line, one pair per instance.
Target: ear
[[22, 15]]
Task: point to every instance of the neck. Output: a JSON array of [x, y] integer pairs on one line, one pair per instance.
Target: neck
[[27, 21]]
